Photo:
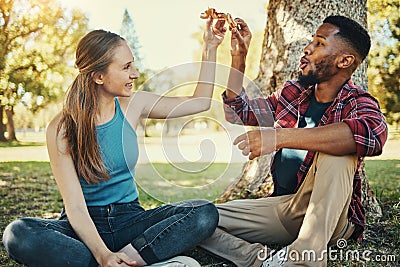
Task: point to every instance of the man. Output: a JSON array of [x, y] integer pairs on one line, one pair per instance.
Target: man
[[324, 127]]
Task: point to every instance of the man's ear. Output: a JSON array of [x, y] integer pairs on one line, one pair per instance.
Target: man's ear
[[97, 77], [346, 60]]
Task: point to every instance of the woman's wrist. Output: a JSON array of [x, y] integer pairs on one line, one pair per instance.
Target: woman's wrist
[[103, 257], [210, 47], [209, 52]]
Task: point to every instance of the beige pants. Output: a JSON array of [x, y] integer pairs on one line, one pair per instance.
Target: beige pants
[[310, 219]]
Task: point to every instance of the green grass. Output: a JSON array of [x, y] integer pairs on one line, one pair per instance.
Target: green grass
[[29, 189], [381, 237], [385, 178], [20, 144]]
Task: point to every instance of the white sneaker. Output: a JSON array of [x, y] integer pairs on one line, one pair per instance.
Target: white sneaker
[[178, 261], [278, 259]]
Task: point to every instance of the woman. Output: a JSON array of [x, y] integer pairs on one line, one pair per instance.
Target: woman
[[93, 151]]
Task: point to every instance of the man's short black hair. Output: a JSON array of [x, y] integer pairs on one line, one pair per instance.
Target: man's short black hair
[[353, 33]]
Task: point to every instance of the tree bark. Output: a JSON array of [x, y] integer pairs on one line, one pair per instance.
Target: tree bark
[[2, 125], [290, 26], [10, 124]]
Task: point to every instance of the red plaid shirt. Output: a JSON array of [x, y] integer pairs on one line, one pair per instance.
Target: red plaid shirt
[[286, 107]]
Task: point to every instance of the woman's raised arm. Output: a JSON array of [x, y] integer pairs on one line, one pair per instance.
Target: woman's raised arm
[[161, 107]]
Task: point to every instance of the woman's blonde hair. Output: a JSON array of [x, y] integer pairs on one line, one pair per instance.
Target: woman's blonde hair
[[94, 54]]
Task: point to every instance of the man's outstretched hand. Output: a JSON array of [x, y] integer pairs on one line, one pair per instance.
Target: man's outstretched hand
[[257, 143]]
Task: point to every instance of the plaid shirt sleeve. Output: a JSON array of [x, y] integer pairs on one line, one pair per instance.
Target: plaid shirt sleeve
[[368, 125], [254, 112]]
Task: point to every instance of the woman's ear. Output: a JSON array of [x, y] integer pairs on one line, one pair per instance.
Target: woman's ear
[[345, 61], [97, 77]]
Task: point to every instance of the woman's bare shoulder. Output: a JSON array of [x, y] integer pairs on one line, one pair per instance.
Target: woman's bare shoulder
[[134, 102], [53, 125], [55, 134]]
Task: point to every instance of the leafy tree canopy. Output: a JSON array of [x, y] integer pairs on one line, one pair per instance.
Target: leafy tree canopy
[[37, 44], [384, 58]]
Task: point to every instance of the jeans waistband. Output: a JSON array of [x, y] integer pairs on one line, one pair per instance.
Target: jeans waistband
[[112, 209], [107, 210]]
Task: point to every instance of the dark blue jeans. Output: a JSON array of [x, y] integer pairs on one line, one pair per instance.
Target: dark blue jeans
[[157, 234]]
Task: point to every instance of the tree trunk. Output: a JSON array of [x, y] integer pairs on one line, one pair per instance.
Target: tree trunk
[[10, 124], [290, 26], [2, 125]]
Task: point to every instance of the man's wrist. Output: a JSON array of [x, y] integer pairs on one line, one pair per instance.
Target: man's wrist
[[239, 64], [279, 136], [239, 58]]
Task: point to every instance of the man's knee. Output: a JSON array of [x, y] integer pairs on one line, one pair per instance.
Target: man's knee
[[326, 162]]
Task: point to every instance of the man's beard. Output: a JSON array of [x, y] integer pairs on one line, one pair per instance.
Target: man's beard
[[322, 70], [308, 80]]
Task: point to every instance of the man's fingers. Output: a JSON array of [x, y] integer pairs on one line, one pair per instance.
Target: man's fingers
[[240, 138], [237, 35], [252, 156], [241, 42], [243, 25], [246, 150], [243, 145]]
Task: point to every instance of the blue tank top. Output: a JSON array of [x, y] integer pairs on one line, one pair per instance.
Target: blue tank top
[[119, 150]]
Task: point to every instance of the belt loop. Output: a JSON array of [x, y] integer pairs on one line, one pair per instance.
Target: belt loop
[[108, 209]]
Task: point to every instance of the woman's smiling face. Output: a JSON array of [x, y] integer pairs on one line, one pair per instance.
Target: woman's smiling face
[[120, 74]]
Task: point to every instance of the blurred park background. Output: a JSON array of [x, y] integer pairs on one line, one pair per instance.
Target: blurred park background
[[37, 43]]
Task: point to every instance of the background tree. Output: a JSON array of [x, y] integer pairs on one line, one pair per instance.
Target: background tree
[[384, 59], [37, 44], [290, 25], [128, 32]]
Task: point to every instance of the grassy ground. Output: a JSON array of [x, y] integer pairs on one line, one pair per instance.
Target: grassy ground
[[28, 189]]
